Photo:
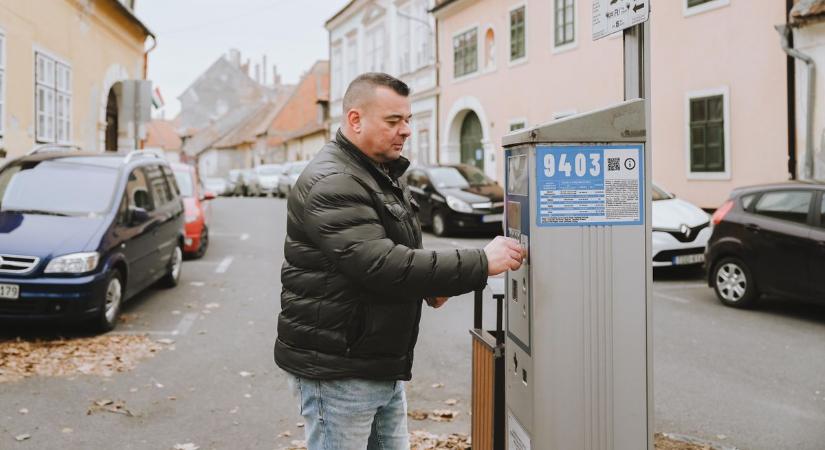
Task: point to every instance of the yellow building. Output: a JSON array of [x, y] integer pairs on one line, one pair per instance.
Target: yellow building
[[65, 74]]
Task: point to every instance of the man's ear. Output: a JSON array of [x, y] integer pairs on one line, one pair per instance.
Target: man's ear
[[354, 120]]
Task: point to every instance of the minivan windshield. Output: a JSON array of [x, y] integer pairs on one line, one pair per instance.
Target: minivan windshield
[[56, 187], [448, 177]]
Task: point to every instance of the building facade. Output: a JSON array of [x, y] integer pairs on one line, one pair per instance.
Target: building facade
[[396, 37], [68, 76], [717, 123]]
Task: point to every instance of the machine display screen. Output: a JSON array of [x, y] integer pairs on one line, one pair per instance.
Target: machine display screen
[[517, 175]]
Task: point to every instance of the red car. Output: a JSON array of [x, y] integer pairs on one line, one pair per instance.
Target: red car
[[197, 209]]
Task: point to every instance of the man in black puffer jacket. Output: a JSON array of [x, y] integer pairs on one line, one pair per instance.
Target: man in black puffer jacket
[[355, 275]]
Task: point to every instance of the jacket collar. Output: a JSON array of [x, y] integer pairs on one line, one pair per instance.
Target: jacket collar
[[394, 168]]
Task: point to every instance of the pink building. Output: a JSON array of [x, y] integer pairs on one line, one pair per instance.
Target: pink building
[[719, 81]]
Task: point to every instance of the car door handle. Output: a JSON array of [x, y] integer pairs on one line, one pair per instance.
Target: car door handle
[[753, 227]]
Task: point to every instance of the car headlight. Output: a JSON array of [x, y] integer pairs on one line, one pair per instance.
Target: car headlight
[[459, 205], [74, 263]]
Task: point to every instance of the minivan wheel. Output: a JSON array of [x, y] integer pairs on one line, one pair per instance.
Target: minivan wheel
[[172, 276], [439, 224], [106, 319], [734, 283]]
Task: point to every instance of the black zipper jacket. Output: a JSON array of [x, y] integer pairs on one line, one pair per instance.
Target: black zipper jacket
[[354, 274]]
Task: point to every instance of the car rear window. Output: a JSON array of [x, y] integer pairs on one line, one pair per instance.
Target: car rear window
[[791, 206], [57, 187]]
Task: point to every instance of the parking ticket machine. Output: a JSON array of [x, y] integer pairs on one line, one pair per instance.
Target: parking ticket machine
[[577, 342]]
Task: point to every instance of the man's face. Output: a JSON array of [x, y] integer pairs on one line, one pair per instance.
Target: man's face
[[384, 125]]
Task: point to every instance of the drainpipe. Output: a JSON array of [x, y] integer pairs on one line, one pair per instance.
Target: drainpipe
[[140, 143], [785, 32]]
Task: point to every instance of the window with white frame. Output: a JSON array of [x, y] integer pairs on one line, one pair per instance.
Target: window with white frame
[[518, 37], [2, 85], [404, 39], [707, 133], [374, 51], [337, 70], [518, 124], [352, 58], [691, 7], [53, 99], [465, 53], [565, 26]]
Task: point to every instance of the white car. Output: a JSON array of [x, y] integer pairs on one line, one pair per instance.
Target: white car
[[268, 177], [680, 231]]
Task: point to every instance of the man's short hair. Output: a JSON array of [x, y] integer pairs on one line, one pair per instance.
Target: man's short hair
[[364, 85]]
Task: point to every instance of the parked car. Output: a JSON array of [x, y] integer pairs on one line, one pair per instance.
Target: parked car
[[197, 211], [287, 179], [680, 231], [80, 233], [268, 177], [457, 197], [236, 184], [769, 239], [251, 186], [220, 186]]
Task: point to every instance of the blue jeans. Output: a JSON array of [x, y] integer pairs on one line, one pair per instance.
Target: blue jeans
[[353, 414]]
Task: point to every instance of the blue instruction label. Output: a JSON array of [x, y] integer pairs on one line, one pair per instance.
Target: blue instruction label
[[589, 185]]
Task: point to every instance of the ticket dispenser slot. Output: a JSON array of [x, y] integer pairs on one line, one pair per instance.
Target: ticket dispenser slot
[[576, 340]]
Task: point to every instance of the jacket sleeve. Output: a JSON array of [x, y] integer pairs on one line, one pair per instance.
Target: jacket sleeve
[[340, 218]]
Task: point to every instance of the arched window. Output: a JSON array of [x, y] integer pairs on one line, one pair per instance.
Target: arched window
[[489, 49], [472, 151]]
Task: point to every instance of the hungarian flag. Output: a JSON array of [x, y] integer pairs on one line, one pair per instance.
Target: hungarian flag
[[157, 99]]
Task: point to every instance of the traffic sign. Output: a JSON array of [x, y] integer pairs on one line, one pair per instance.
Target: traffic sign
[[612, 16]]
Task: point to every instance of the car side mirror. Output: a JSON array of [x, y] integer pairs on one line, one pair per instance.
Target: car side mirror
[[209, 195], [137, 216]]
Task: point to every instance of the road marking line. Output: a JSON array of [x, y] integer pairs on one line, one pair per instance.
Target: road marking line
[[224, 265], [185, 324], [245, 236], [672, 298]]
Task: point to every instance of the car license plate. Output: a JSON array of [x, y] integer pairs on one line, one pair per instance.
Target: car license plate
[[11, 291], [688, 259], [492, 218]]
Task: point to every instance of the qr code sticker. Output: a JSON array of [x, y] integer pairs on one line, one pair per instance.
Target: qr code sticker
[[613, 164]]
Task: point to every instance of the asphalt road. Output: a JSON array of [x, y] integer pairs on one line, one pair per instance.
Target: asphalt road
[[751, 379]]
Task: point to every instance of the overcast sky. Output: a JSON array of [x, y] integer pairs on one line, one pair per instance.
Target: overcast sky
[[192, 34]]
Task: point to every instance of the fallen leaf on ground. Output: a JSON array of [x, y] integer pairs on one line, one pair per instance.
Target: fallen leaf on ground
[[213, 305], [450, 402], [106, 405], [417, 414], [245, 374], [233, 410], [172, 397], [176, 313], [299, 424], [127, 317], [422, 440], [101, 355], [166, 341], [197, 283], [438, 385], [24, 411], [285, 434], [664, 441], [67, 430], [22, 437], [443, 415], [297, 445]]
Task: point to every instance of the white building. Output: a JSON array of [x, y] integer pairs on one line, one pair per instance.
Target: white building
[[396, 37]]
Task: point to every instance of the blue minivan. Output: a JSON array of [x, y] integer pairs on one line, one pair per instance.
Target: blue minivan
[[80, 233]]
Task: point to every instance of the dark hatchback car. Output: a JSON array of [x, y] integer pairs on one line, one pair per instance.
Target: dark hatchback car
[[456, 197], [770, 240], [82, 232]]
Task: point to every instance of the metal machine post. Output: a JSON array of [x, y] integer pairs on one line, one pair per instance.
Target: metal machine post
[[577, 345]]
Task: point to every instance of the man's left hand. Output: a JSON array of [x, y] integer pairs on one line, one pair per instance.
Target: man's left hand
[[437, 302]]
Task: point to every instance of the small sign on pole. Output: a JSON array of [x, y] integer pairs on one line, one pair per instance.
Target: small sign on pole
[[612, 16]]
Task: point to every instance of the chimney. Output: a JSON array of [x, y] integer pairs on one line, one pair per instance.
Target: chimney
[[276, 77], [234, 57], [257, 73], [263, 71]]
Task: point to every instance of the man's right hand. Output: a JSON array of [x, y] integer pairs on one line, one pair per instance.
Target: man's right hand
[[503, 254]]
